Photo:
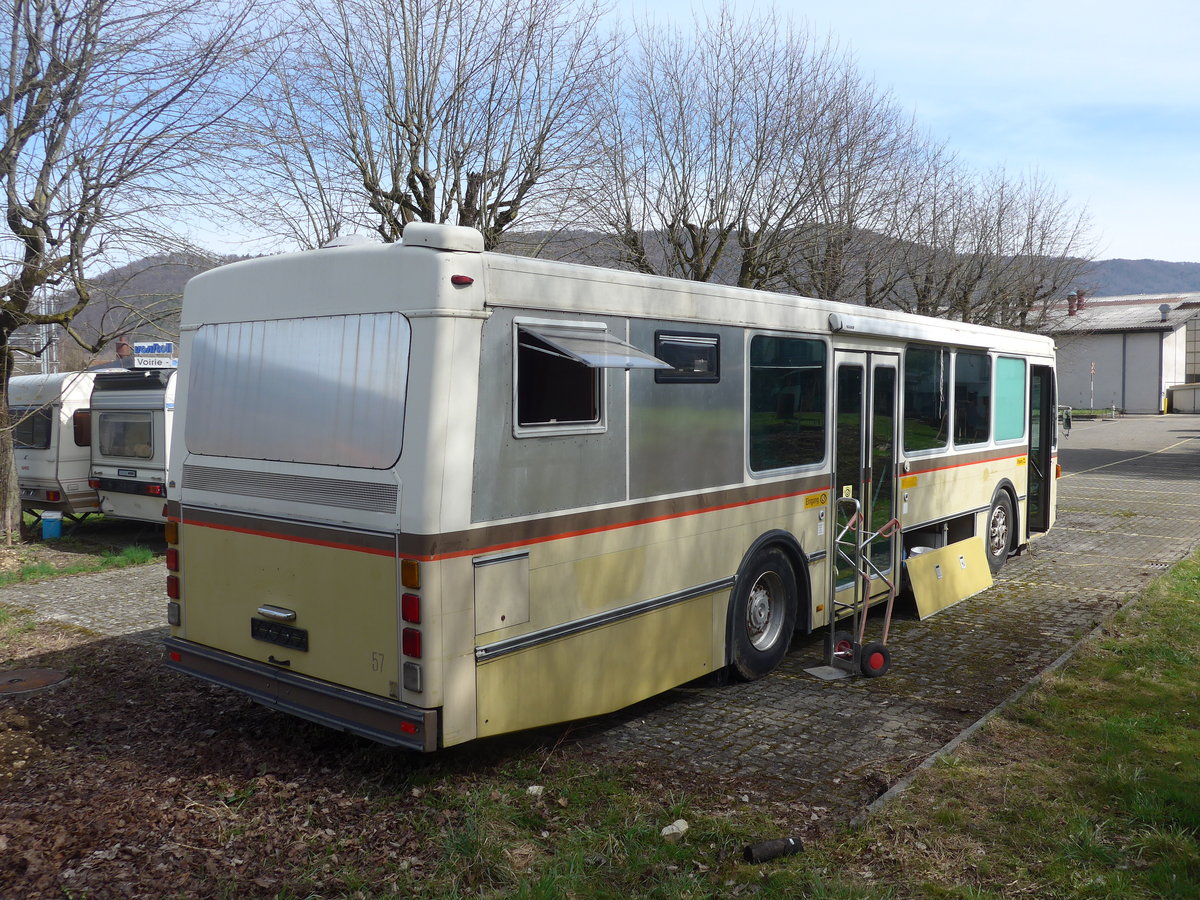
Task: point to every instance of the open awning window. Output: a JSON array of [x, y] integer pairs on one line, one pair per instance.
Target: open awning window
[[594, 347]]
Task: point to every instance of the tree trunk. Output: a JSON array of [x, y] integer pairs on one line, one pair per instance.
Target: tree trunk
[[10, 491]]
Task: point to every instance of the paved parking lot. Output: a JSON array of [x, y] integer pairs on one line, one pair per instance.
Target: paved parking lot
[[1127, 511]]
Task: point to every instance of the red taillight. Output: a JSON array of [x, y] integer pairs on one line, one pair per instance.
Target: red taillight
[[411, 642], [173, 591], [53, 496], [155, 490], [172, 559], [461, 280], [94, 484], [410, 608]]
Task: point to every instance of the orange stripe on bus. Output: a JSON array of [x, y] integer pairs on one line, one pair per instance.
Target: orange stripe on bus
[[473, 551]]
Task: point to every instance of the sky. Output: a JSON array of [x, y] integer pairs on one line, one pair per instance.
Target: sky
[[1102, 98]]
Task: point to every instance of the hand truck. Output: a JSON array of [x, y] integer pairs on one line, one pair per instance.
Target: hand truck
[[852, 546]]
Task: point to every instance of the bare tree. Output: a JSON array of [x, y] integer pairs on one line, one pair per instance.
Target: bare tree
[[384, 112], [708, 139], [990, 249], [106, 105]]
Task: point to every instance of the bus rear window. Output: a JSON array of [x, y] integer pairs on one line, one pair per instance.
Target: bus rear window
[[327, 390]]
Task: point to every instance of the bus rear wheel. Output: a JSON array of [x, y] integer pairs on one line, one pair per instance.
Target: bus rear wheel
[[763, 614], [1000, 526]]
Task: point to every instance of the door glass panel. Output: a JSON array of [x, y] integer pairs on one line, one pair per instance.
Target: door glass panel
[[1038, 449], [882, 505], [848, 461]]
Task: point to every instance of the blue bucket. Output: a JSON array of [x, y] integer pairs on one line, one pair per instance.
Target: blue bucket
[[51, 525]]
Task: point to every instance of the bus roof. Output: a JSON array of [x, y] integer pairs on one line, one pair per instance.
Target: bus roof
[[415, 277]]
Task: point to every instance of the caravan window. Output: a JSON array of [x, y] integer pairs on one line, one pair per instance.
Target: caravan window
[[81, 423], [31, 427], [126, 434], [328, 390]]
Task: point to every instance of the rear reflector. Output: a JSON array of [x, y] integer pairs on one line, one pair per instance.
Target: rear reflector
[[94, 484], [410, 608], [411, 642], [173, 590], [175, 656], [410, 573], [412, 677], [461, 280], [409, 727]]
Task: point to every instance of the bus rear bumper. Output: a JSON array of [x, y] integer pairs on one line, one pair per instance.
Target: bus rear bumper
[[379, 719]]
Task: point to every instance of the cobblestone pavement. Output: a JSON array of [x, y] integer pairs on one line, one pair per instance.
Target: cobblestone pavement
[[1126, 513]]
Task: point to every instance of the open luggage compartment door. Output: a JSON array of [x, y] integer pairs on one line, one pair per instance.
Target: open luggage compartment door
[[942, 577]]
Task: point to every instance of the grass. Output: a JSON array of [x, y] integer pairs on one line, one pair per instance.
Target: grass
[[1090, 787], [87, 562]]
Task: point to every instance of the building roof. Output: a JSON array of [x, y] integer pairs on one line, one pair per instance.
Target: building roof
[[1136, 312]]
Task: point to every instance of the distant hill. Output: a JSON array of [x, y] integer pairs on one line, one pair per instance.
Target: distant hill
[[143, 298], [1118, 277], [140, 300]]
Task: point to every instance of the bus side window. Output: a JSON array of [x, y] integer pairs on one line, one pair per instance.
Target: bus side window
[[926, 398], [553, 389], [695, 357], [972, 397]]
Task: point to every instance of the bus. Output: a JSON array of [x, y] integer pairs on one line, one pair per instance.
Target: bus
[[132, 413], [52, 439], [427, 494]]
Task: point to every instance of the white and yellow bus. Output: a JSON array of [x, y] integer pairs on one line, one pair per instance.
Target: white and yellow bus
[[428, 494]]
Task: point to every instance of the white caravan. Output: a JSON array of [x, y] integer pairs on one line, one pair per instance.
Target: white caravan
[[51, 441], [132, 412]]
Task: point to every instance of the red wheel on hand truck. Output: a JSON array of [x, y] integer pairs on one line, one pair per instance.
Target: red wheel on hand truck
[[875, 660], [841, 645]]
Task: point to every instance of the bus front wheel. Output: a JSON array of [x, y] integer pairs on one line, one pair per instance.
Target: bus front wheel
[[763, 614], [1000, 526]]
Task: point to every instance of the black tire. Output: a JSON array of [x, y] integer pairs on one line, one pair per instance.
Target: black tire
[[998, 531], [763, 614], [840, 644], [875, 660]]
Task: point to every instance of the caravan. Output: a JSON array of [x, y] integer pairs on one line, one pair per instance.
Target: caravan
[[132, 412], [52, 439]]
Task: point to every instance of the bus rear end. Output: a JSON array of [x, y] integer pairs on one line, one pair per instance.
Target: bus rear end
[[297, 377]]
